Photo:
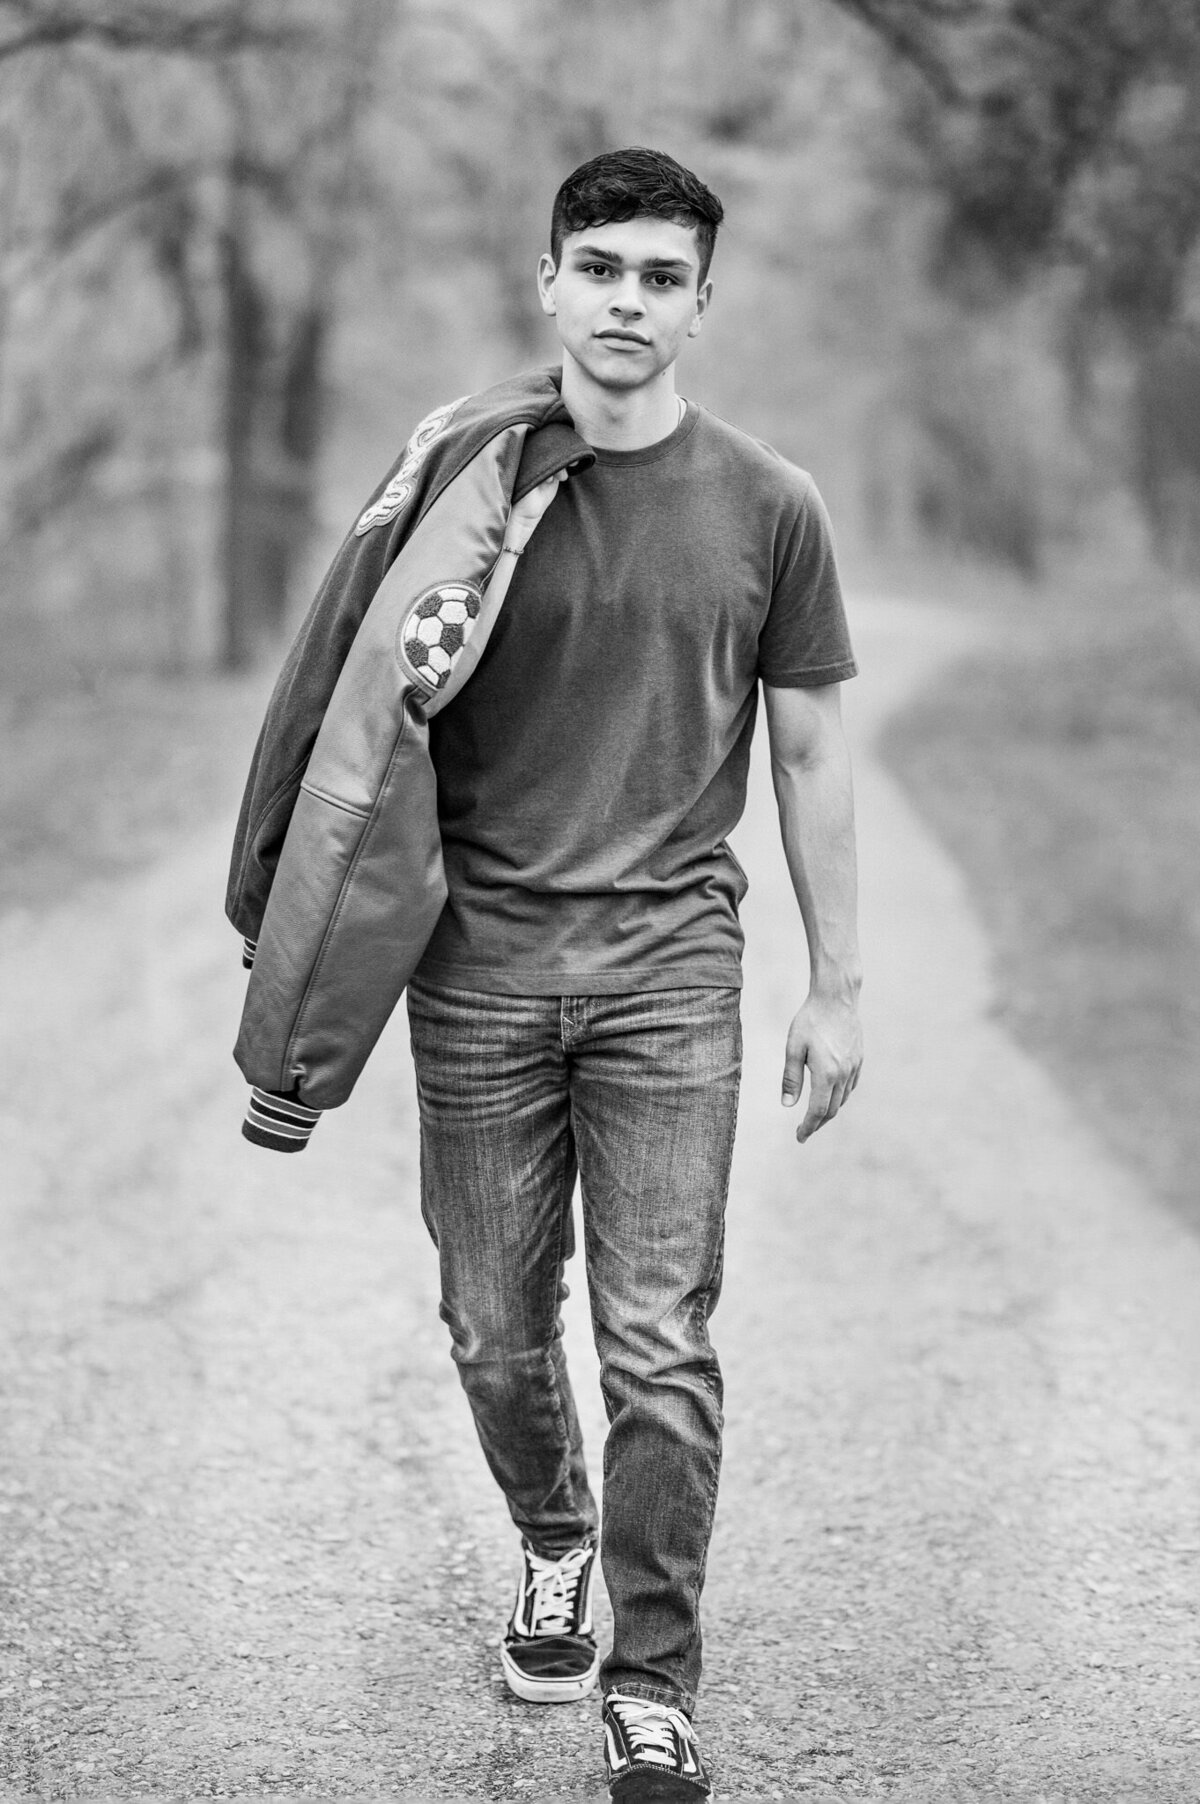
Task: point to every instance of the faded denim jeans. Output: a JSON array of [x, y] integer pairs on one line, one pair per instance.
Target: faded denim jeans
[[637, 1094]]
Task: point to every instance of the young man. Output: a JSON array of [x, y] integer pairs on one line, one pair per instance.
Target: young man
[[576, 1010], [615, 570]]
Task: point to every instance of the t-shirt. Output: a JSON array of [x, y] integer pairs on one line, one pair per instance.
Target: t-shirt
[[589, 772]]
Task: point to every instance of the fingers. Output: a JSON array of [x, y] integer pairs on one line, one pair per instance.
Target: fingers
[[829, 1053], [824, 1101], [818, 1112]]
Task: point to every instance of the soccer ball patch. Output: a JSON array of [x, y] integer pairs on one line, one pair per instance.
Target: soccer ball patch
[[437, 628]]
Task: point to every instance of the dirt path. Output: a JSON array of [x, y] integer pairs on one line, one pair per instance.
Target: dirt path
[[247, 1541]]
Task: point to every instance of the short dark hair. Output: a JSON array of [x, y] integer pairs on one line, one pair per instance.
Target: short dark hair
[[635, 184]]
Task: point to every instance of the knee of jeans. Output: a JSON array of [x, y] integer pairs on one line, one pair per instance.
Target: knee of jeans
[[486, 1331], [516, 1385], [667, 1346]]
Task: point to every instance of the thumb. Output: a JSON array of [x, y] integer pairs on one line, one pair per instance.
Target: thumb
[[793, 1072]]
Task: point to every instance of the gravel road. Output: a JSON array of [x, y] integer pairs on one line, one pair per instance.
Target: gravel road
[[247, 1542]]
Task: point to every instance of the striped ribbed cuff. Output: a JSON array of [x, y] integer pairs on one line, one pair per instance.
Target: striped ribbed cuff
[[279, 1122], [249, 948]]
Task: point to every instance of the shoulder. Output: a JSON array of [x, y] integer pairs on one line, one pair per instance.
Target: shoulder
[[752, 468], [452, 432]]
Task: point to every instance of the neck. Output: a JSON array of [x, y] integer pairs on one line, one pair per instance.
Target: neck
[[620, 419]]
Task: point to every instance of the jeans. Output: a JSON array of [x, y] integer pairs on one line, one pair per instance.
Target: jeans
[[637, 1094]]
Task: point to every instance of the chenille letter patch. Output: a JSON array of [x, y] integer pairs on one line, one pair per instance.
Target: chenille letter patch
[[400, 488]]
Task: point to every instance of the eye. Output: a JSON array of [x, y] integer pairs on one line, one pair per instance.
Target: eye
[[596, 269], [661, 279]]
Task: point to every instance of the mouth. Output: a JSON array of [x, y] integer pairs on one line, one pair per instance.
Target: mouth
[[613, 337]]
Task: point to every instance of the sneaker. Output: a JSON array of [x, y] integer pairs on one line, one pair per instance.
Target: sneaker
[[548, 1654], [651, 1753]]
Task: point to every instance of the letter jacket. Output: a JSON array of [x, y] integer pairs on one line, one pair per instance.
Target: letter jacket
[[336, 880]]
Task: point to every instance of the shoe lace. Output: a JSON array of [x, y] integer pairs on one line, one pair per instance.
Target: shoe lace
[[552, 1590], [655, 1732]]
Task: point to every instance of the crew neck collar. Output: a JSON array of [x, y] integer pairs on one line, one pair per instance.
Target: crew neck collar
[[648, 454]]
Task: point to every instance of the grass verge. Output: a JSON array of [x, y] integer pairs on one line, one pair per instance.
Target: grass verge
[[100, 779], [1065, 777]]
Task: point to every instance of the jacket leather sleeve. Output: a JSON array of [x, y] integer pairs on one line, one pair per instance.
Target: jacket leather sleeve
[[293, 719]]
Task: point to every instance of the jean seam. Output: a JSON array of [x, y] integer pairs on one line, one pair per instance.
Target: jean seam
[[559, 1263]]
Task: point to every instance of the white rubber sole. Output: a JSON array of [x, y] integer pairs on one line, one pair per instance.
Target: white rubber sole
[[547, 1691]]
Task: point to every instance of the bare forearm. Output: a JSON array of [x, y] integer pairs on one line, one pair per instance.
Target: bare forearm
[[811, 768], [816, 818]]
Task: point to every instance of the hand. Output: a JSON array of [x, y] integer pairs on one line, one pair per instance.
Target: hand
[[528, 511], [825, 1039]]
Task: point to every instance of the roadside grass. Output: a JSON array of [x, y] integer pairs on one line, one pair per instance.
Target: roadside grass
[[1063, 771], [101, 777]]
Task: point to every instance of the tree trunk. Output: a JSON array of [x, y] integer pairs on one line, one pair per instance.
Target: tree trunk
[[272, 416]]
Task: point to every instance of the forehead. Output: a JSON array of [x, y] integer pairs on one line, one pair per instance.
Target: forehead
[[639, 241]]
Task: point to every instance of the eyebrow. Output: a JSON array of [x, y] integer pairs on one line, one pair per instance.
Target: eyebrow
[[594, 253]]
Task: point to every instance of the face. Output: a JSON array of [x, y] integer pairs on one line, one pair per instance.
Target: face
[[625, 297]]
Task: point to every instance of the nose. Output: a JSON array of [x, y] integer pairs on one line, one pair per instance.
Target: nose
[[626, 301]]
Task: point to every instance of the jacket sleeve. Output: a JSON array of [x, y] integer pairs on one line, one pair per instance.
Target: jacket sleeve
[[293, 718], [313, 665]]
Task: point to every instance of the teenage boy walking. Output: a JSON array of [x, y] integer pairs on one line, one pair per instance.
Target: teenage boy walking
[[575, 1012]]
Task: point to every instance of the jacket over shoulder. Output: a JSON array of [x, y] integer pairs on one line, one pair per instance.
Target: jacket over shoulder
[[437, 452], [336, 879]]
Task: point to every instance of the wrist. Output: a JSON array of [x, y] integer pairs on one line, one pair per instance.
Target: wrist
[[840, 982]]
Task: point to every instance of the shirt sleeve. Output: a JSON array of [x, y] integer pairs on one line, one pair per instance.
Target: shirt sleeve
[[805, 639]]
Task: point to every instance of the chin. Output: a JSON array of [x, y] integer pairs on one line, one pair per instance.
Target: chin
[[622, 379], [616, 373]]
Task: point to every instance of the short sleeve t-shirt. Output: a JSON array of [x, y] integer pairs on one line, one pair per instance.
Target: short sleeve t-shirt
[[589, 772]]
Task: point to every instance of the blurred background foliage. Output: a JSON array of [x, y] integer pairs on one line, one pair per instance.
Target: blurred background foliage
[[244, 244]]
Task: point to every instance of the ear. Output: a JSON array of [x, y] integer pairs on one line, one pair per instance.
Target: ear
[[546, 274], [703, 297]]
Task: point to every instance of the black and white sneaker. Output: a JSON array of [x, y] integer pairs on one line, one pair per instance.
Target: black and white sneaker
[[651, 1753], [548, 1654]]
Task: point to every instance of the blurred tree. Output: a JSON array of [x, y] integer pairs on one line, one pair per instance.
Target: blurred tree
[[293, 180], [1067, 133], [193, 226]]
